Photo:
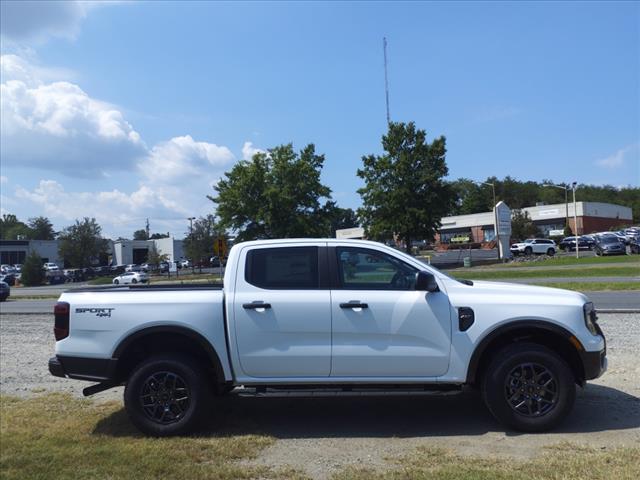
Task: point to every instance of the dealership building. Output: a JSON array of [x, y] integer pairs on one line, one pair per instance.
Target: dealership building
[[591, 217], [121, 252]]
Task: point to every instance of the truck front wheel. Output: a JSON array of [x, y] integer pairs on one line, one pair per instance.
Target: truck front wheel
[[166, 395], [528, 387]]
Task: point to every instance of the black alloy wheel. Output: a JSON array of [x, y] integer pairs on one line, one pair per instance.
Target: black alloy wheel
[[528, 387], [531, 389], [164, 397]]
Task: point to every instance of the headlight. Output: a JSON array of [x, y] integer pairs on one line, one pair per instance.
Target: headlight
[[590, 318]]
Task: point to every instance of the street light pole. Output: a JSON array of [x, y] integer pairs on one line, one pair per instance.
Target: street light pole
[[191, 219], [566, 200], [575, 218]]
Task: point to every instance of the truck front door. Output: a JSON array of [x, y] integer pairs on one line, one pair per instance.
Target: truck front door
[[283, 312], [382, 326]]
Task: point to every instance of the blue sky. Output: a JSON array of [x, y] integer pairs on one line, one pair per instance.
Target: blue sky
[[132, 110]]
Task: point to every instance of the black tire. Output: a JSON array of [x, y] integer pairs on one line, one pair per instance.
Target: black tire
[[528, 251], [133, 280], [116, 282], [528, 406], [551, 252], [172, 375]]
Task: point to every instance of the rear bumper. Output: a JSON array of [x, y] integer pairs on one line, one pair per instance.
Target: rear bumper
[[81, 368]]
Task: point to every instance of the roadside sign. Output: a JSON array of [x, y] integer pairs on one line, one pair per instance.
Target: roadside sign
[[220, 247]]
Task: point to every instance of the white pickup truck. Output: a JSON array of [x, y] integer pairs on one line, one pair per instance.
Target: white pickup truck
[[328, 314]]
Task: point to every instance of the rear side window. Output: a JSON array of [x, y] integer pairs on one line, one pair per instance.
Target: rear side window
[[290, 268]]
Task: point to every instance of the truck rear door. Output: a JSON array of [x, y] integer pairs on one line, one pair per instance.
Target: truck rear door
[[282, 311]]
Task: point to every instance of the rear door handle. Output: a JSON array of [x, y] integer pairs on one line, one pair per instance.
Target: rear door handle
[[256, 304], [354, 304]]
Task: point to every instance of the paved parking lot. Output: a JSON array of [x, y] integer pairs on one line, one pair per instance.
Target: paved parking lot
[[322, 435]]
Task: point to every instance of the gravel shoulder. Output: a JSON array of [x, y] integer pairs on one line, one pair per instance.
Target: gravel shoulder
[[323, 435]]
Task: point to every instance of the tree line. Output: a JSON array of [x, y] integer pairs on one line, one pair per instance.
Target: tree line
[[279, 194]]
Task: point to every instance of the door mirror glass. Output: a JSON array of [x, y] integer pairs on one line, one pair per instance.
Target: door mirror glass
[[426, 282]]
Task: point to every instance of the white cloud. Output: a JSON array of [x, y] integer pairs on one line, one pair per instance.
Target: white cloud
[[248, 151], [58, 126], [617, 159], [175, 178], [36, 21]]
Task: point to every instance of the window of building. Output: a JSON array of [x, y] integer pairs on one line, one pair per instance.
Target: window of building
[[294, 268]]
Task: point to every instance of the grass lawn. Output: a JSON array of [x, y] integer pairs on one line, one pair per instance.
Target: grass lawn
[[621, 271], [564, 461], [57, 436], [592, 286], [562, 261]]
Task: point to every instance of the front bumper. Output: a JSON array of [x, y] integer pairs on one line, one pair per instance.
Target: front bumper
[[594, 364], [81, 368]]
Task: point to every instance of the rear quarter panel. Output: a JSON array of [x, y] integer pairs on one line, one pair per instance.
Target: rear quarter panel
[[94, 336]]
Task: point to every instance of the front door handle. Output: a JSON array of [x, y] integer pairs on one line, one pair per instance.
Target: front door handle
[[354, 304], [256, 304]]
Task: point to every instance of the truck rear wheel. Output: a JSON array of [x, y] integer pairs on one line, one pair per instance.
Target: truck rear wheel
[[167, 395], [528, 387]]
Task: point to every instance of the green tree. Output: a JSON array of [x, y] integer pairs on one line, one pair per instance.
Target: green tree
[[32, 273], [13, 229], [41, 229], [337, 218], [140, 235], [156, 236], [522, 227], [198, 244], [274, 195], [405, 193], [155, 257], [81, 243], [471, 197]]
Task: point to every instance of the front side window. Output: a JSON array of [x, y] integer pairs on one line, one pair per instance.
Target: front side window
[[364, 269], [290, 268]]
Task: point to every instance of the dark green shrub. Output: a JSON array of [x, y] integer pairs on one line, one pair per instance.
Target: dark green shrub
[[32, 272]]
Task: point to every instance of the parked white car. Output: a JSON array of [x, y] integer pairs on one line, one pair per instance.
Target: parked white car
[[50, 266], [131, 277], [133, 268], [534, 245], [185, 263]]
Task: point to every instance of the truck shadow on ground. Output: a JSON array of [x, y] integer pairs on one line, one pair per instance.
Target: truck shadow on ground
[[598, 408]]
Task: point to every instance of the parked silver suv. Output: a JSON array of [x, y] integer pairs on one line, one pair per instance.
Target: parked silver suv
[[534, 245]]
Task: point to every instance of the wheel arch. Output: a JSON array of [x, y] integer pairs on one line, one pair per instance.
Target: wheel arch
[[165, 338], [545, 333]]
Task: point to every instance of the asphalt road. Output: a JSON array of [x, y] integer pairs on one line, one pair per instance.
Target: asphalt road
[[622, 300]]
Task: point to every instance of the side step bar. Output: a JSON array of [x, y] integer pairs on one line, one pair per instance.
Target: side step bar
[[346, 391]]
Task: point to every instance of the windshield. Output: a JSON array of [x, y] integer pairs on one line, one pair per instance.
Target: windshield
[[609, 239]]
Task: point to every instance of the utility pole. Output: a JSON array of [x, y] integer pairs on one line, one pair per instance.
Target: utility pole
[[148, 230], [575, 218], [386, 78]]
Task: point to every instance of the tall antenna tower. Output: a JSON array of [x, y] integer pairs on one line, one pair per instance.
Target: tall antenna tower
[[148, 229], [386, 79]]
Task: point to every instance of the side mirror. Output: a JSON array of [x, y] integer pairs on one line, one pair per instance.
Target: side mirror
[[426, 282]]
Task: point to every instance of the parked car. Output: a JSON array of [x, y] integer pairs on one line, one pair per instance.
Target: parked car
[[6, 269], [117, 269], [285, 319], [534, 245], [610, 245], [133, 268], [55, 277], [50, 266], [634, 245], [9, 279], [5, 291], [214, 261], [74, 275], [131, 277], [584, 243], [18, 267], [185, 263]]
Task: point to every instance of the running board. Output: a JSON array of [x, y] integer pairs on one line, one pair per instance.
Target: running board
[[350, 391]]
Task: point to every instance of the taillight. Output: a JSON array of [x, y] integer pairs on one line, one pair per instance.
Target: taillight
[[61, 326]]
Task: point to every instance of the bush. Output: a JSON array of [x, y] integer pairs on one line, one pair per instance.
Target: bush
[[32, 273]]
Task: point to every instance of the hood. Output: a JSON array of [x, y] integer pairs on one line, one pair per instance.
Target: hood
[[513, 293]]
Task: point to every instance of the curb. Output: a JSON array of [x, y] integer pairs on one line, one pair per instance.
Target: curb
[[618, 310]]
